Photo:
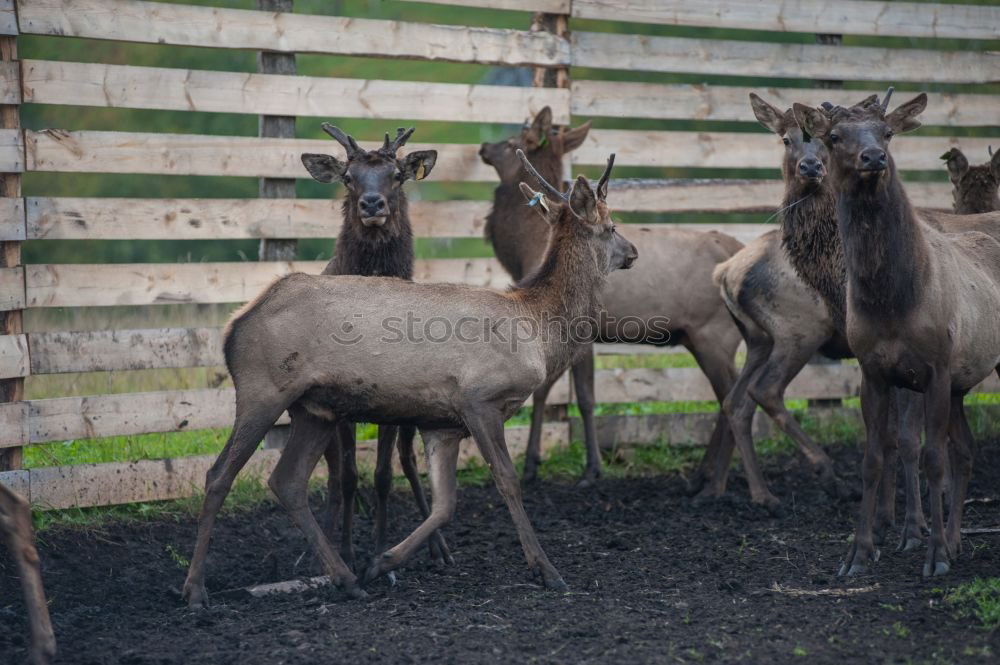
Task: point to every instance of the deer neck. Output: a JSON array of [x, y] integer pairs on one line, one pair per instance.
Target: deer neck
[[374, 251], [884, 246], [810, 237]]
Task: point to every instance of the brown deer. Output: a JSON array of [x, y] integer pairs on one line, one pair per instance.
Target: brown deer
[[316, 345], [975, 187], [673, 280], [15, 525], [921, 313], [376, 239], [783, 320]]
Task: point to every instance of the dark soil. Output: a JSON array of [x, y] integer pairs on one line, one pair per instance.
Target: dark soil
[[652, 578]]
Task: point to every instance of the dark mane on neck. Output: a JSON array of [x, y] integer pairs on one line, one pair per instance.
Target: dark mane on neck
[[385, 251]]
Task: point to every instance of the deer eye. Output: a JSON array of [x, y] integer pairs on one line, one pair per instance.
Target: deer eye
[[346, 178], [834, 138], [889, 134], [786, 140]]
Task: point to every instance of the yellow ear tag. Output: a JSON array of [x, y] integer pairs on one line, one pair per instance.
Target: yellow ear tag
[[420, 171]]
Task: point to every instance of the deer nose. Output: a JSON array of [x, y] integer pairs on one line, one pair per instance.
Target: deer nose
[[810, 167], [372, 205], [630, 257], [873, 159]]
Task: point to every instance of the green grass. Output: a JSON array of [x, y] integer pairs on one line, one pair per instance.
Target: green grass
[[979, 598]]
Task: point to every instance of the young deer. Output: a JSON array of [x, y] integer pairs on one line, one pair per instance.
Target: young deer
[[15, 526], [316, 345], [673, 280], [921, 312], [375, 240], [975, 186]]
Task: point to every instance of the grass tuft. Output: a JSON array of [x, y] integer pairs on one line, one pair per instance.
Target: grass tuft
[[979, 598]]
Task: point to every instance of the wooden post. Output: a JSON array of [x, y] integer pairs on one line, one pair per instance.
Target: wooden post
[[276, 126], [830, 40], [11, 389]]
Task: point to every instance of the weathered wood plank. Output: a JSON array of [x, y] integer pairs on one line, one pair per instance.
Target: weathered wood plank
[[10, 84], [14, 424], [12, 288], [207, 219], [119, 86], [17, 481], [717, 102], [854, 17], [113, 350], [739, 58], [13, 356], [215, 27], [12, 225], [11, 151], [182, 154], [8, 21], [81, 285], [743, 150], [548, 6]]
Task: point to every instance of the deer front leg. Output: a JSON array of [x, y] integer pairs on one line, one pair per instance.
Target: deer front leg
[[348, 488], [937, 419], [583, 381], [533, 454], [441, 448], [15, 524], [911, 418], [962, 446], [440, 554]]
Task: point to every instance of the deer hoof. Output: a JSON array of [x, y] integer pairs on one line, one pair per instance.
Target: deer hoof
[[909, 543], [937, 561], [556, 584], [196, 595], [355, 592]]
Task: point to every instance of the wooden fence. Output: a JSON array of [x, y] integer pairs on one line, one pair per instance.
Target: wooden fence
[[601, 74]]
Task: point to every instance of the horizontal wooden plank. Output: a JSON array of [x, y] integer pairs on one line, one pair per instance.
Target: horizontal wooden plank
[[738, 58], [11, 151], [105, 350], [216, 27], [208, 219], [12, 225], [81, 285], [14, 424], [119, 86], [11, 288], [13, 356], [184, 154], [10, 78], [8, 18], [743, 150], [17, 481], [734, 195], [718, 102], [547, 6], [853, 17]]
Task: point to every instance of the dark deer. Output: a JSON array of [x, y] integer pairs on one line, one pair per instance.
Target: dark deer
[[921, 313], [673, 280], [975, 186], [15, 525], [375, 240], [282, 354]]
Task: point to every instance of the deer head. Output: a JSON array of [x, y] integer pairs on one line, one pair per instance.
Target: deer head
[[805, 160], [543, 143], [373, 179], [975, 187]]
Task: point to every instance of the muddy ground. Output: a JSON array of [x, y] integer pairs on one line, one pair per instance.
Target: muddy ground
[[653, 579]]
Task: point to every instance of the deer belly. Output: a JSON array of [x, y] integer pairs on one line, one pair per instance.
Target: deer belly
[[360, 401]]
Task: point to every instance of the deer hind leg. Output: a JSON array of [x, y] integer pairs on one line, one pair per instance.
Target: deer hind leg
[[962, 447], [332, 517], [533, 454], [441, 448], [583, 381], [911, 417], [937, 420], [715, 358], [290, 483], [739, 409], [875, 396], [885, 511], [440, 554], [15, 525], [486, 425], [252, 423]]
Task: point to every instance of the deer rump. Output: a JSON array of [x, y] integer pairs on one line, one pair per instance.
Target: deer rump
[[325, 341]]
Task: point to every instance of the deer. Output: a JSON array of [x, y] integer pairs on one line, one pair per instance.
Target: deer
[[673, 281], [316, 346], [15, 525], [975, 187], [921, 307], [375, 239]]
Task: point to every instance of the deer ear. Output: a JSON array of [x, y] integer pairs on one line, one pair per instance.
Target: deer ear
[[904, 118], [956, 163], [417, 165], [573, 138], [995, 164], [812, 121], [583, 201], [538, 134], [767, 115], [536, 199], [325, 168]]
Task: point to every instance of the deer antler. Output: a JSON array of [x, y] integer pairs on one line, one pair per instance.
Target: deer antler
[[402, 136], [350, 145], [989, 149], [531, 169], [885, 100], [602, 184]]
